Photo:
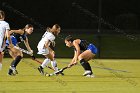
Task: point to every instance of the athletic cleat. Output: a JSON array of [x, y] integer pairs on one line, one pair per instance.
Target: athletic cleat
[[90, 76], [10, 72], [40, 69], [88, 72], [14, 71]]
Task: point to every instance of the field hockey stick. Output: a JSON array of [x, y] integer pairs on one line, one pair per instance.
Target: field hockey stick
[[31, 54], [24, 51], [60, 71]]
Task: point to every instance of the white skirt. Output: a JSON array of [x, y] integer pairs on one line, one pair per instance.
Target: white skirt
[[43, 51]]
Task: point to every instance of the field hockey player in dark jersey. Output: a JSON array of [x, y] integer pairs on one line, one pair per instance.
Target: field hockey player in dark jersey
[[83, 51], [18, 36]]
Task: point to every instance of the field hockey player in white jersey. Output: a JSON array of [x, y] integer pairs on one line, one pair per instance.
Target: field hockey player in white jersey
[[45, 49], [4, 33]]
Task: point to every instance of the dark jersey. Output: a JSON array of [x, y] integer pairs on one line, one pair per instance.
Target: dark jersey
[[19, 37], [83, 45]]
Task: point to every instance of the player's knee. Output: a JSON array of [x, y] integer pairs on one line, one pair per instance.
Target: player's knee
[[19, 54], [80, 57]]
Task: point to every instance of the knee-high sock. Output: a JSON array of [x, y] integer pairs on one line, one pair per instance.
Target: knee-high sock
[[85, 65], [16, 61], [54, 65], [45, 63]]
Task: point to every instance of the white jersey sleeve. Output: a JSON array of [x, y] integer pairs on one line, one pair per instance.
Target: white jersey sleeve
[[3, 27], [48, 36]]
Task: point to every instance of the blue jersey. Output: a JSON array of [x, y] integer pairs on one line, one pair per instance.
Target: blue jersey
[[16, 38], [19, 37]]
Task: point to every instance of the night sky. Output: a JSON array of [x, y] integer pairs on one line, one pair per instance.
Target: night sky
[[66, 13]]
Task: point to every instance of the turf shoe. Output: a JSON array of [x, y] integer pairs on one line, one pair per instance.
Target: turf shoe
[[40, 69], [87, 72], [14, 71], [10, 72], [90, 76]]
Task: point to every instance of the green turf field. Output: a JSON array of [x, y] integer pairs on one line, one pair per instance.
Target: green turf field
[[111, 76]]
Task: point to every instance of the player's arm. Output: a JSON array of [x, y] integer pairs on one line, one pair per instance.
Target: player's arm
[[47, 43], [76, 53], [74, 58], [7, 34], [26, 42], [20, 31], [48, 39]]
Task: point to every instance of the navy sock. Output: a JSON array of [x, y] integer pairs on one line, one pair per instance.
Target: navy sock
[[16, 61], [85, 65], [89, 67]]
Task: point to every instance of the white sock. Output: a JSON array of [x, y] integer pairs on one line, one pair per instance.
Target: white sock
[[0, 66], [45, 63], [54, 65]]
